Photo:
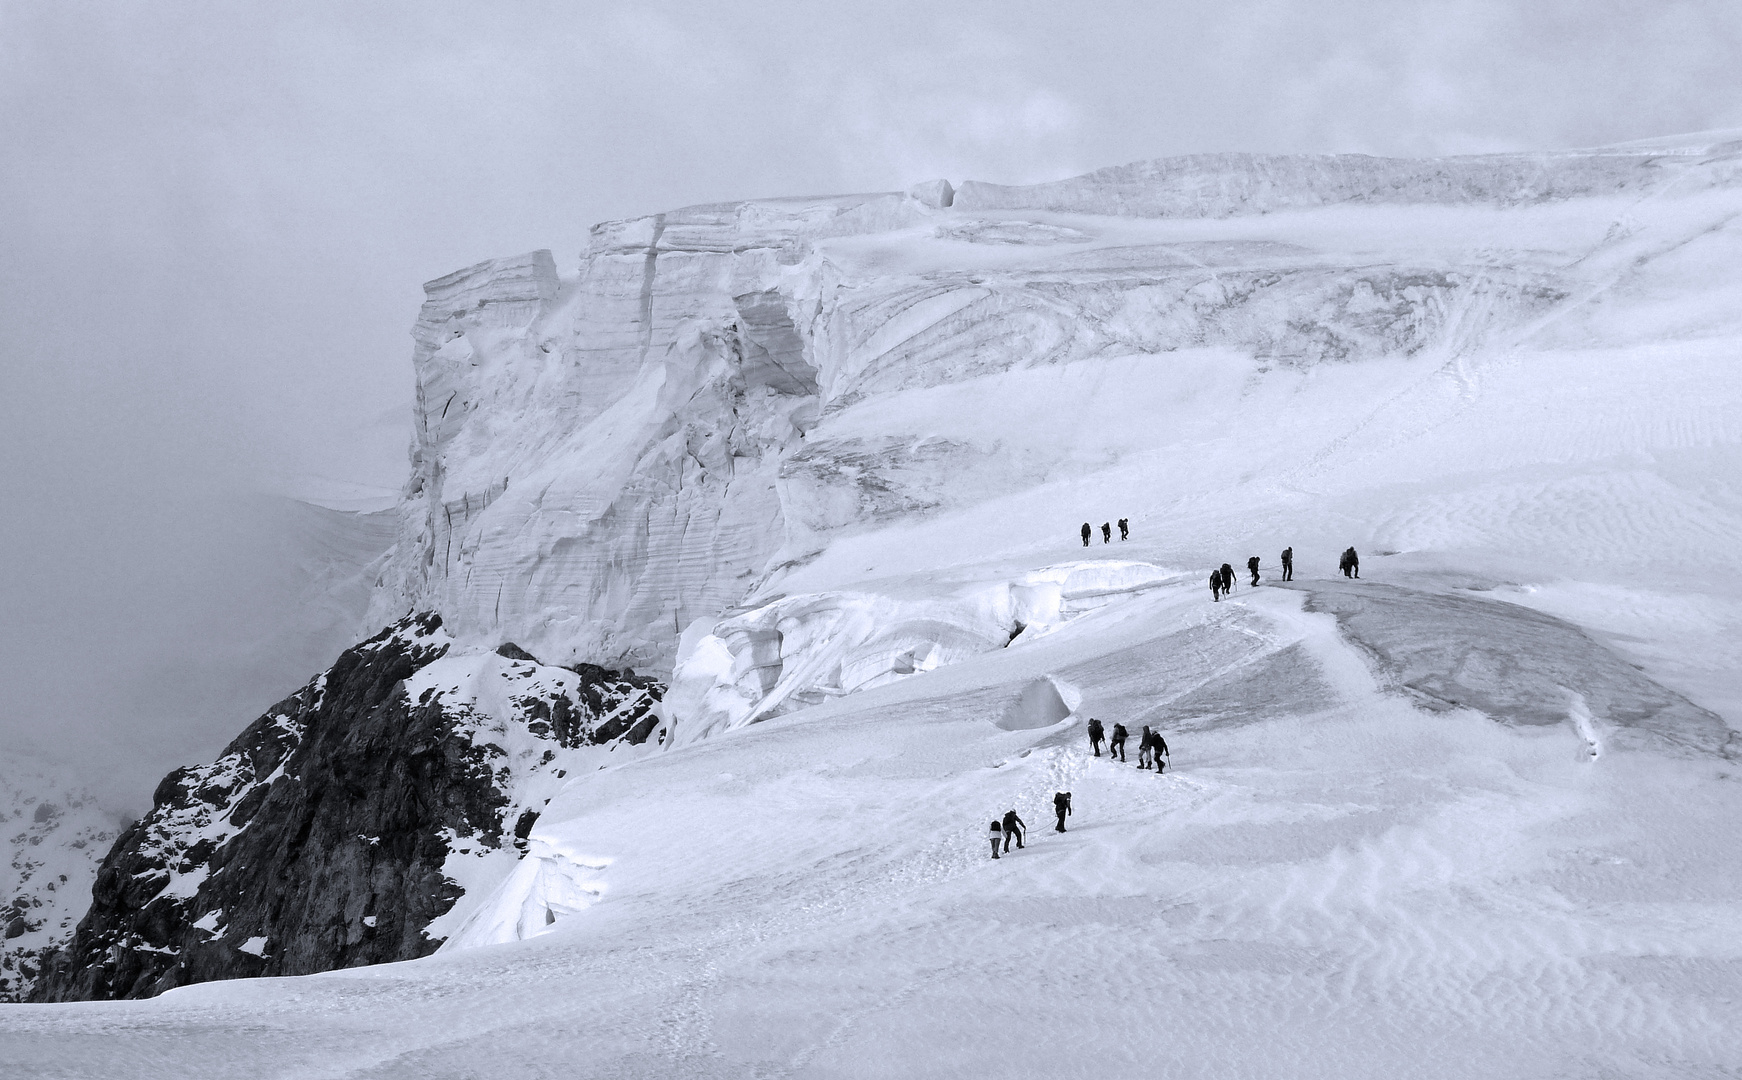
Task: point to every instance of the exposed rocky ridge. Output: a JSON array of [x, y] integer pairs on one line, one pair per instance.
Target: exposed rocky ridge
[[322, 837], [52, 834]]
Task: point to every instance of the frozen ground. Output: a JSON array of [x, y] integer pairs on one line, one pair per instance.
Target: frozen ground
[[1473, 815]]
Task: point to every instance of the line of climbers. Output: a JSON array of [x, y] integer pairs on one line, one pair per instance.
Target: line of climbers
[[1151, 750], [1222, 578], [1151, 747], [1014, 828], [1107, 531]]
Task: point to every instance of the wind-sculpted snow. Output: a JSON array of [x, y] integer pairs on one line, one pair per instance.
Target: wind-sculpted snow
[[1513, 664], [1347, 886], [342, 825]]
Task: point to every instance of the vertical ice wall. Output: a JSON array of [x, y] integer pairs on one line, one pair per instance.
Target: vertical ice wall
[[594, 460]]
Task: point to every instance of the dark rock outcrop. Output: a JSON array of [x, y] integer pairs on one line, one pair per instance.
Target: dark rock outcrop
[[317, 840]]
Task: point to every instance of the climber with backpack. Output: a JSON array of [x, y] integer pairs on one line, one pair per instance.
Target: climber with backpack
[[1096, 734], [1061, 805], [1014, 829]]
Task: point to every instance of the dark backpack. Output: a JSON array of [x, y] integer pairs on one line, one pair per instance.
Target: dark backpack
[[1061, 800]]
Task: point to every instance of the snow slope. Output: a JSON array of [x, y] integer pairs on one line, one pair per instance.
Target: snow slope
[[1472, 815], [1329, 882]]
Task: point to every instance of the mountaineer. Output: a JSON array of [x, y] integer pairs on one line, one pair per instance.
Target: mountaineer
[[1014, 829]]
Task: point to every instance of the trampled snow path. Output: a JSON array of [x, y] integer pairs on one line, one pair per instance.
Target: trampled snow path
[[1351, 887]]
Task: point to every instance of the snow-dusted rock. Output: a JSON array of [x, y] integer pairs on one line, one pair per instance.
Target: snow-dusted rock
[[53, 834], [342, 824]]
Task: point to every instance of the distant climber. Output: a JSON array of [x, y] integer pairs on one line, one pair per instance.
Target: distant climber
[[1096, 734], [1061, 805], [1158, 749], [1350, 564], [1014, 829], [1087, 531], [1116, 745], [997, 835], [1106, 532], [1145, 746], [1215, 585], [1124, 528], [1227, 579], [1252, 566], [1288, 564]]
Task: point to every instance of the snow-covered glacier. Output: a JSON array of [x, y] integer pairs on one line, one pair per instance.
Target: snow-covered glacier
[[741, 578], [696, 423]]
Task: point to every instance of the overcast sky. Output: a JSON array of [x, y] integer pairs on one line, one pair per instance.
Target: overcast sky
[[215, 219]]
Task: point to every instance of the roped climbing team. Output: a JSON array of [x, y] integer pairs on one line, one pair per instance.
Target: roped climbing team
[[1152, 749]]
